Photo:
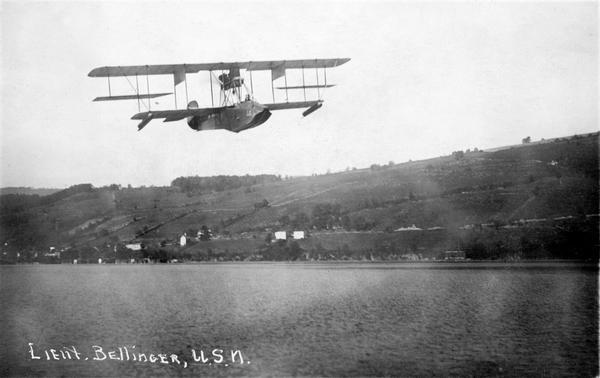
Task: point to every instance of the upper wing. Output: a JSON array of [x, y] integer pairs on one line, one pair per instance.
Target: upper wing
[[180, 69], [173, 115]]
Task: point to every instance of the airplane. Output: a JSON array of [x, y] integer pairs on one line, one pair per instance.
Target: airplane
[[235, 112]]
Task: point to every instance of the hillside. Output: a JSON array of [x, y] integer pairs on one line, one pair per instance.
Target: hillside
[[28, 191], [530, 200]]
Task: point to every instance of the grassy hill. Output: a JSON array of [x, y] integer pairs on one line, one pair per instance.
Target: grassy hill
[[529, 200], [29, 191]]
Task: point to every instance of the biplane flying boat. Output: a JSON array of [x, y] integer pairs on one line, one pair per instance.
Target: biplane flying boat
[[237, 109]]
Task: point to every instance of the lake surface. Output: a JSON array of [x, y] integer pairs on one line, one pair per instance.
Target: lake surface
[[342, 319]]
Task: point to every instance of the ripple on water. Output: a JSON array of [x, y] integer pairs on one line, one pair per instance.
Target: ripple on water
[[308, 319]]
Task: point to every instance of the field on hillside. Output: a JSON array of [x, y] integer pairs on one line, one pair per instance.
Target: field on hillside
[[353, 213]]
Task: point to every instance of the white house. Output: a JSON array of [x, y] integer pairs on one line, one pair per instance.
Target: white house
[[280, 235], [183, 240], [411, 228], [134, 247], [298, 235]]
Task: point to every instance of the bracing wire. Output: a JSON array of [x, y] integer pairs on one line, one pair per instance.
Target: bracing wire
[[132, 87]]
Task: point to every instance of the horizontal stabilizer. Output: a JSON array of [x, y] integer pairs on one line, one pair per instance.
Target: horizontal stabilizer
[[131, 97], [307, 86]]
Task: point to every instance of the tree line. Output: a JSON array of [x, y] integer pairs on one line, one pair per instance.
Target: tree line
[[198, 184]]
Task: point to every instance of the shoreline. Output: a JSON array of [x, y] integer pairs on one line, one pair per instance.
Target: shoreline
[[333, 262]]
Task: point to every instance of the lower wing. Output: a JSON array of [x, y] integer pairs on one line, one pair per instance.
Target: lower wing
[[292, 105], [173, 115], [311, 105]]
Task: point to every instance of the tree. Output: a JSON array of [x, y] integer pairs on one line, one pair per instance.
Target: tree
[[411, 195], [326, 215], [261, 204], [294, 250], [269, 238], [205, 234], [300, 220], [360, 223], [346, 222], [284, 220]]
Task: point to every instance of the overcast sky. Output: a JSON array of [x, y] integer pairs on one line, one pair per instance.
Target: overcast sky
[[425, 79]]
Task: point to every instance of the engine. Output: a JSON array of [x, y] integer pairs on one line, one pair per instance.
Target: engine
[[231, 80]]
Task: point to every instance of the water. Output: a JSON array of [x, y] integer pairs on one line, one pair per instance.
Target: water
[[356, 319]]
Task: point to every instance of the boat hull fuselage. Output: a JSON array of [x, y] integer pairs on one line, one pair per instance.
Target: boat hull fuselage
[[239, 117]]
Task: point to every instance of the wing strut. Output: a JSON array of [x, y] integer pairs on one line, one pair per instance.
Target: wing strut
[[175, 93], [147, 87], [272, 91], [286, 89], [318, 92], [137, 91], [303, 84], [212, 98], [187, 101]]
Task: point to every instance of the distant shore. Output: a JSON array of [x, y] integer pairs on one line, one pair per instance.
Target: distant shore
[[325, 262]]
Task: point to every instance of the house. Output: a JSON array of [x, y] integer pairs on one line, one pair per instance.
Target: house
[[183, 240], [134, 247], [280, 235], [411, 228], [53, 253], [410, 257], [298, 235], [454, 255]]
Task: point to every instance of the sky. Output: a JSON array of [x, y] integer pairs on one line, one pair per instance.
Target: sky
[[425, 79]]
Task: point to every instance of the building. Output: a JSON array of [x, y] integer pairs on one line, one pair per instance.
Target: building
[[410, 257], [134, 247], [280, 235], [298, 235], [411, 228], [454, 255], [183, 240]]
